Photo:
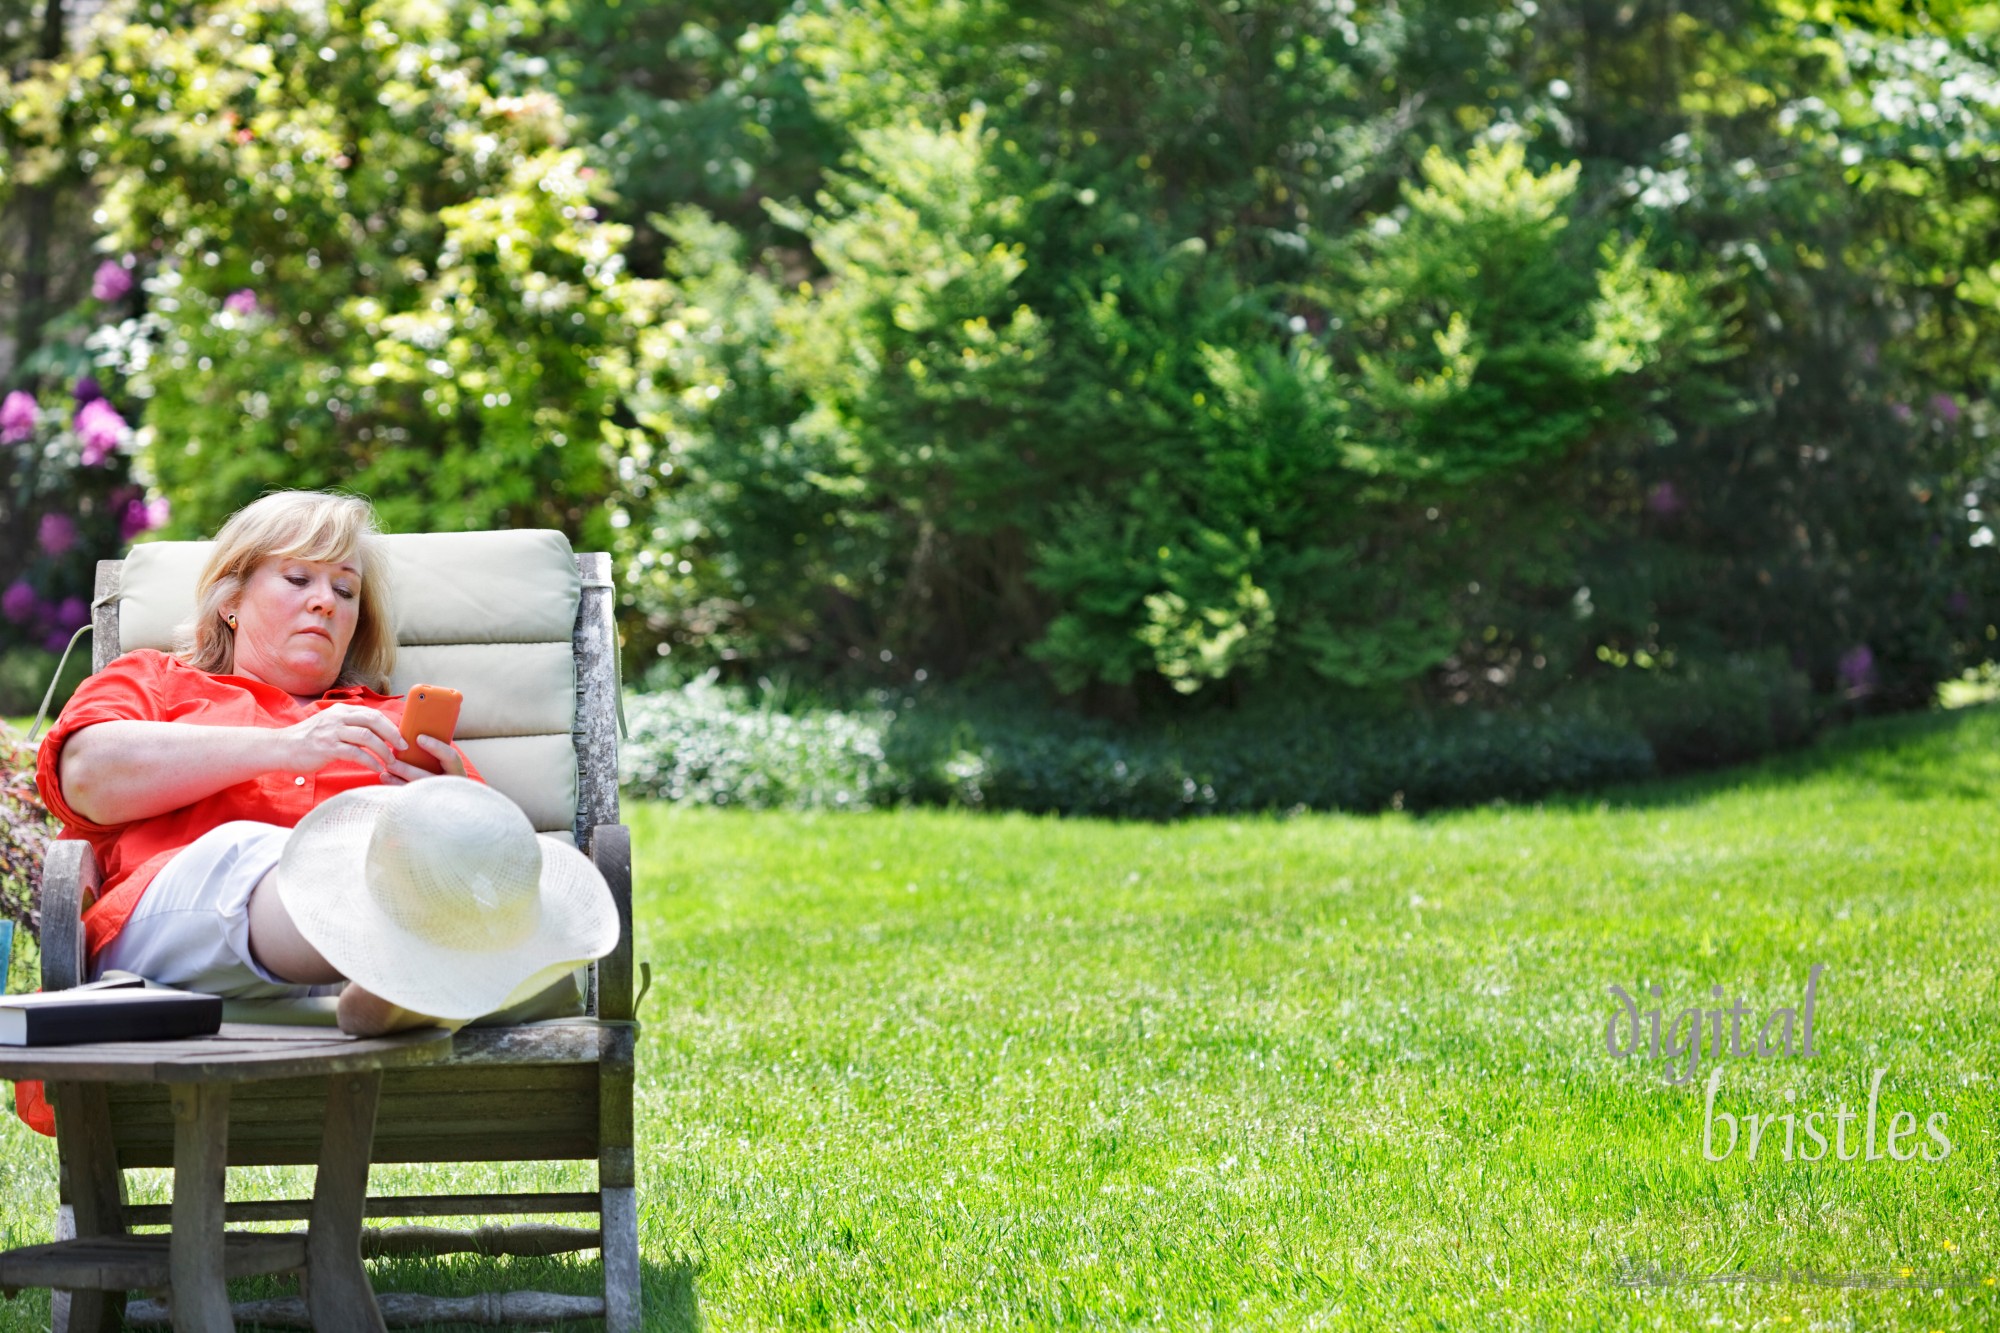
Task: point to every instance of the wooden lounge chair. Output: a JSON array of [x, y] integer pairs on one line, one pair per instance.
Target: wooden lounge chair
[[523, 627]]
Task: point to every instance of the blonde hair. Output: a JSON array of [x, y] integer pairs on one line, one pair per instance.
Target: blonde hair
[[306, 525]]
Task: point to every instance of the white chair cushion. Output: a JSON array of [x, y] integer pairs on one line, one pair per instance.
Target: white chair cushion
[[490, 614]]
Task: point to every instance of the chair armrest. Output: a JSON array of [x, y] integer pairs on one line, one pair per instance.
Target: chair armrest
[[70, 880], [611, 853]]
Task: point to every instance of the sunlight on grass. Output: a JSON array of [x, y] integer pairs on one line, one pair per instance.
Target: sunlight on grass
[[929, 1069], [924, 1068]]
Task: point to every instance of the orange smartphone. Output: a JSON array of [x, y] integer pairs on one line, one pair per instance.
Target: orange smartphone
[[428, 710]]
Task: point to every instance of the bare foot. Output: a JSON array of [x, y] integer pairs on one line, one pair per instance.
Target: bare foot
[[363, 1013]]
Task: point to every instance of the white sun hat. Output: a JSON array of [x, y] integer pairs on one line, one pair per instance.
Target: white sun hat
[[441, 898]]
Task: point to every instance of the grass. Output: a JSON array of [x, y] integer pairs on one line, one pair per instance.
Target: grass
[[925, 1069]]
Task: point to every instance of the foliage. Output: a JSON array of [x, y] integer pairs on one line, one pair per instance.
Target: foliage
[[1174, 353], [961, 449], [1842, 163], [1272, 760], [70, 490], [1707, 714], [695, 102], [1001, 750], [371, 265], [708, 746], [25, 831], [71, 487], [1499, 345]]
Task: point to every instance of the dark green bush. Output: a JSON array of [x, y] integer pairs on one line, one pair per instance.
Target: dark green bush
[[1495, 339], [1041, 763], [1707, 714], [1011, 752]]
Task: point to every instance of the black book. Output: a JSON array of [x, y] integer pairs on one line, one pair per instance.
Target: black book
[[106, 1012]]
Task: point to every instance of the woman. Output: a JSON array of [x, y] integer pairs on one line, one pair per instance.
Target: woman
[[188, 773]]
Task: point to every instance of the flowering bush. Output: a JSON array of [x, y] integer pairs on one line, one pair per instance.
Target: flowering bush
[[112, 281], [379, 268], [25, 831], [67, 478], [711, 745]]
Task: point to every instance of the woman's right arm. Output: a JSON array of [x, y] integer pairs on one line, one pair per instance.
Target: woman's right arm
[[117, 771]]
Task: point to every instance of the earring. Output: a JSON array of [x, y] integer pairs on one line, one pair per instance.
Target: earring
[[232, 622]]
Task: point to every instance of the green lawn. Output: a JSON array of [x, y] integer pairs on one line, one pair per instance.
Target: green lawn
[[926, 1069]]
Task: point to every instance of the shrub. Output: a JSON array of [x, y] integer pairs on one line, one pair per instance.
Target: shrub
[[69, 494], [1018, 420], [371, 260], [1707, 714], [1064, 359], [1005, 751], [1022, 757], [714, 746]]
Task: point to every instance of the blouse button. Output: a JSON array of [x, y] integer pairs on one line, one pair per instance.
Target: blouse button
[[298, 782]]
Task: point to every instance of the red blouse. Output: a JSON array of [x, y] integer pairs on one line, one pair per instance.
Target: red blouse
[[149, 686]]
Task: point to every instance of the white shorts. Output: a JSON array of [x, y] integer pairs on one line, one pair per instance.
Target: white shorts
[[191, 929]]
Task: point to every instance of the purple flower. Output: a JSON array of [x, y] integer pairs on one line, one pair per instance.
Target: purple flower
[[1857, 669], [57, 534], [101, 430], [111, 282], [141, 516], [17, 417], [1945, 406], [1901, 411], [18, 603], [57, 640], [71, 614], [88, 388], [243, 301], [1664, 499]]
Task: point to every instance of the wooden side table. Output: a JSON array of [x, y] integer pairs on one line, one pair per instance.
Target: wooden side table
[[197, 1257]]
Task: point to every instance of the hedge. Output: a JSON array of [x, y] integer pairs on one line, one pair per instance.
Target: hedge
[[1001, 751]]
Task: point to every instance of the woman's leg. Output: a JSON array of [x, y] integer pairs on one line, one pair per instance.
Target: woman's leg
[[275, 942], [281, 950], [191, 927], [212, 921]]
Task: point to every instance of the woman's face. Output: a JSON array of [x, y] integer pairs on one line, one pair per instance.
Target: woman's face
[[294, 621]]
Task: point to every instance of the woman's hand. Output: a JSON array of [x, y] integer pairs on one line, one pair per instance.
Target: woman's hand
[[344, 731], [399, 772]]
